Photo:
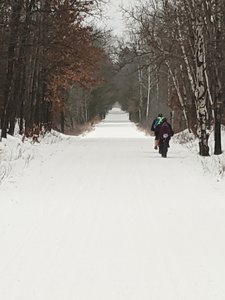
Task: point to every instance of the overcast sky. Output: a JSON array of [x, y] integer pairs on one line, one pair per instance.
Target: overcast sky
[[114, 13]]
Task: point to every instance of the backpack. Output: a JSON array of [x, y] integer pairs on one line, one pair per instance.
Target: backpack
[[166, 130]]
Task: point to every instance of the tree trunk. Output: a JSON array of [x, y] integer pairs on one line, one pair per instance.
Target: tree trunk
[[148, 92], [62, 117], [140, 93], [217, 131], [200, 92], [21, 122], [179, 94], [10, 84]]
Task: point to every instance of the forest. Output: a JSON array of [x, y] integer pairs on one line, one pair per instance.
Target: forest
[[57, 70]]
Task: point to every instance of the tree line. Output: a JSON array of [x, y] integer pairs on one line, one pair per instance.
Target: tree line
[[56, 69], [46, 49], [178, 49]]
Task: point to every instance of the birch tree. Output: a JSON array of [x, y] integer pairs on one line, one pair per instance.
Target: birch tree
[[188, 35], [214, 21], [157, 31], [200, 90]]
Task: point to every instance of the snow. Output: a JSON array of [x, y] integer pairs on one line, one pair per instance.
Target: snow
[[103, 216], [116, 125]]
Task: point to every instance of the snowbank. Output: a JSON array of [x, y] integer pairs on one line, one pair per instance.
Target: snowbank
[[214, 165], [16, 155]]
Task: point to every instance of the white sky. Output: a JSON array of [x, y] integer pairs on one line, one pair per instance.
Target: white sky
[[114, 13]]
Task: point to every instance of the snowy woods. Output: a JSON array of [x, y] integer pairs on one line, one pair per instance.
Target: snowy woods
[[93, 205], [179, 51], [46, 48], [57, 70]]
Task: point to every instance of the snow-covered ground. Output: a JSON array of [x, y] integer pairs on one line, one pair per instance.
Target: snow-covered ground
[[104, 217]]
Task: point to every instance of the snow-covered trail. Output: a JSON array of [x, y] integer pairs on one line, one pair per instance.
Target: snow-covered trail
[[108, 218]]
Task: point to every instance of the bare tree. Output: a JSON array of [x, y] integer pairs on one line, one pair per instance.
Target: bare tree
[[188, 37]]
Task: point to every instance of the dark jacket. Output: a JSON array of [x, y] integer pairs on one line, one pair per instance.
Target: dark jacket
[[165, 129]]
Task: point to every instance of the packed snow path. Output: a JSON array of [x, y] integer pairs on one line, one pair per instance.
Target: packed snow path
[[104, 217]]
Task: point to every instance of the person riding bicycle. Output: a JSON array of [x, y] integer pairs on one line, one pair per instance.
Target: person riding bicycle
[[165, 133]]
